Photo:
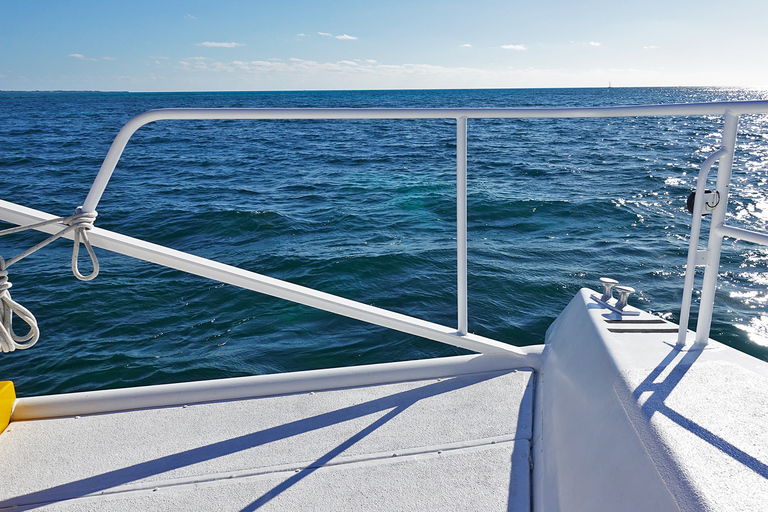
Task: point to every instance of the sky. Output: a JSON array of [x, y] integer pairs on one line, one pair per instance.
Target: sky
[[240, 45]]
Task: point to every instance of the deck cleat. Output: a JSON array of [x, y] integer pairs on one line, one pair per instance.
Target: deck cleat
[[624, 292], [608, 285]]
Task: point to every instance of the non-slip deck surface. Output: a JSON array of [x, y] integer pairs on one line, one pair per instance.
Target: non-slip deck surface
[[459, 443], [711, 417]]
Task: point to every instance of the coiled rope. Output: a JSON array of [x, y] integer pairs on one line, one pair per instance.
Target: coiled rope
[[80, 223]]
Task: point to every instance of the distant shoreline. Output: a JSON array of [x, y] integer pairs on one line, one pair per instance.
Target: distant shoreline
[[61, 92]]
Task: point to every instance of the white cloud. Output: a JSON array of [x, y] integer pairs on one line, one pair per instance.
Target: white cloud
[[195, 62], [343, 36], [593, 43], [466, 45], [312, 74], [80, 56], [189, 17], [298, 74], [301, 35], [516, 47], [219, 45], [650, 47]]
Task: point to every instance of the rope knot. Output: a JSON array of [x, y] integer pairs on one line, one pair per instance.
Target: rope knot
[[9, 340], [5, 284], [82, 222]]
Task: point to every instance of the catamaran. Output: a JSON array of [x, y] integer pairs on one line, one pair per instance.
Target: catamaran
[[619, 409]]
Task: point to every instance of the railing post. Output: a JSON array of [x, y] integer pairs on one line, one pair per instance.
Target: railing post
[[461, 222], [709, 284], [693, 245]]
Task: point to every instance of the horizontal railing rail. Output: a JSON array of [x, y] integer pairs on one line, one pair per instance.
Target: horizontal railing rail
[[459, 336], [125, 133]]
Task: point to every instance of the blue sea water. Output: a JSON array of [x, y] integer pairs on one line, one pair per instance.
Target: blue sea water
[[365, 210]]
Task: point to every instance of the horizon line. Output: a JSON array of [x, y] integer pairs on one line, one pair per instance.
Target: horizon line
[[107, 91]]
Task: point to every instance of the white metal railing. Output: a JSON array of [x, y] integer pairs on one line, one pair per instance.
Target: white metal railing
[[345, 307], [710, 257]]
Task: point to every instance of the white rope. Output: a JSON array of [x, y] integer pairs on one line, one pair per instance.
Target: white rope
[[9, 340], [80, 223]]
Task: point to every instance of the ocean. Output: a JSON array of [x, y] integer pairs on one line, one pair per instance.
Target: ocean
[[365, 210]]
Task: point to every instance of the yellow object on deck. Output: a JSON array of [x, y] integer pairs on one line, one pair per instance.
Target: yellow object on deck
[[7, 397]]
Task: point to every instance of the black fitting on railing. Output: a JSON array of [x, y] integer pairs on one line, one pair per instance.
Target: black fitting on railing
[[711, 200]]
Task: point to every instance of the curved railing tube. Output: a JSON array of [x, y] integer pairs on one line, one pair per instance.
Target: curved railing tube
[[693, 244], [122, 138]]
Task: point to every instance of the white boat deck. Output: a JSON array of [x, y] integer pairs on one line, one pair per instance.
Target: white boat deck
[[667, 428], [458, 443]]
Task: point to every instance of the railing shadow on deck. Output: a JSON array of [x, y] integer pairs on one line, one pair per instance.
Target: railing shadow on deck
[[109, 482], [660, 391]]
